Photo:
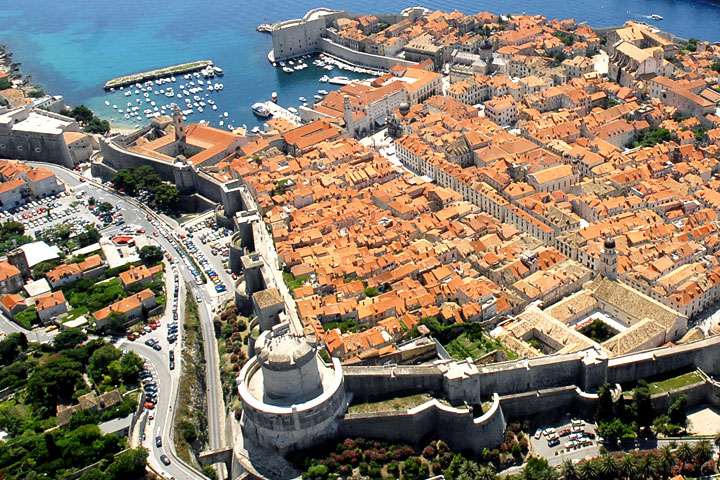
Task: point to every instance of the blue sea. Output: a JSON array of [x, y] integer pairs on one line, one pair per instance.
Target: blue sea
[[73, 48]]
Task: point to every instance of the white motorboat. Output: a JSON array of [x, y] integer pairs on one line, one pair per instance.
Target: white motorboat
[[302, 99]]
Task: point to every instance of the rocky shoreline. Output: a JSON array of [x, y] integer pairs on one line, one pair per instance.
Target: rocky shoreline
[[12, 69]]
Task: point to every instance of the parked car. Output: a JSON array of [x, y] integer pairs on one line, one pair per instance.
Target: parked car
[[158, 441], [164, 459]]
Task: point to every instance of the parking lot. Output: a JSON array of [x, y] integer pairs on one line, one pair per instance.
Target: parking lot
[[38, 216], [210, 246], [574, 440]]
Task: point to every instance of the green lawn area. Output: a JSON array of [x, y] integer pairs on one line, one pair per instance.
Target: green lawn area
[[463, 347], [292, 282], [675, 382], [76, 313], [394, 404]]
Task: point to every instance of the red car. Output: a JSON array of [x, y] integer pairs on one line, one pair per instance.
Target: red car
[[149, 405], [82, 180], [131, 337], [140, 230], [155, 233], [234, 276]]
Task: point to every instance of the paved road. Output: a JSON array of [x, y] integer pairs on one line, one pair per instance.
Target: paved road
[[134, 215]]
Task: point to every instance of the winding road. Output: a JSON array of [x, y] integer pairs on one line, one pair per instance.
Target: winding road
[[167, 380]]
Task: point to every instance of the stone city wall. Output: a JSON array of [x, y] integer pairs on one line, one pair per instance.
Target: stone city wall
[[456, 425], [361, 59]]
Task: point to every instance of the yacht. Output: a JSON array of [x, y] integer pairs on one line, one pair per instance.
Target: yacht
[[339, 80], [302, 99], [288, 70], [324, 79], [260, 110], [655, 16], [323, 92], [218, 71]]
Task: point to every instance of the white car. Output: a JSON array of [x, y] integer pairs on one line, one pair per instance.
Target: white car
[[538, 433]]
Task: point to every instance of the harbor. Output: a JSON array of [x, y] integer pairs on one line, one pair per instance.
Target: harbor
[[157, 73]]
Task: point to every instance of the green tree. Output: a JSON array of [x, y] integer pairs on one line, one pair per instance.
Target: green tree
[[676, 412], [82, 114], [130, 464], [615, 429], [83, 417], [101, 359], [537, 468], [12, 228], [703, 451], [665, 460], [414, 469], [588, 470], [27, 318], [150, 254], [628, 467], [606, 408], [36, 94], [568, 471], [647, 467], [371, 292], [105, 207], [51, 381], [188, 431], [166, 196], [641, 406], [116, 324], [88, 236], [92, 474], [130, 366], [608, 466], [685, 454], [96, 125], [12, 346], [68, 338]]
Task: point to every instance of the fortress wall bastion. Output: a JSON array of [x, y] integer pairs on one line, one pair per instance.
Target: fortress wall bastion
[[549, 404], [457, 426], [374, 382]]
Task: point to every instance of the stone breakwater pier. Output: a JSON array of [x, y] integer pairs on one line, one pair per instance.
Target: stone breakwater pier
[[157, 73]]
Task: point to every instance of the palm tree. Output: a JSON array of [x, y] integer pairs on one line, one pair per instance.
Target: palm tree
[[486, 473], [703, 451], [685, 454], [568, 471], [608, 466], [628, 467], [468, 470], [647, 467], [666, 460], [588, 470]]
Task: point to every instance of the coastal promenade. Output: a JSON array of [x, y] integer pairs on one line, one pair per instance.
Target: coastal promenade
[[157, 73]]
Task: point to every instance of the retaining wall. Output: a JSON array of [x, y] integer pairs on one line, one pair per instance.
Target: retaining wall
[[456, 426]]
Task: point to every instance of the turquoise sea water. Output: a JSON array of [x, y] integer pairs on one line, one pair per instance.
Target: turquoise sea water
[[72, 48]]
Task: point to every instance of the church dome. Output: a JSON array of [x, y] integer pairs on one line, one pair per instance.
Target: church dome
[[609, 243]]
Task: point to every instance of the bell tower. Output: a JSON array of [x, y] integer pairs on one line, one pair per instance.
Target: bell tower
[[179, 124], [609, 260]]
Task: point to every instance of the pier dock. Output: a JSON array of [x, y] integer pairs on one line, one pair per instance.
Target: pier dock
[[157, 73], [279, 112]]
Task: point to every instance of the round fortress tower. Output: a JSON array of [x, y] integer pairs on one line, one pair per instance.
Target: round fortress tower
[[290, 397]]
